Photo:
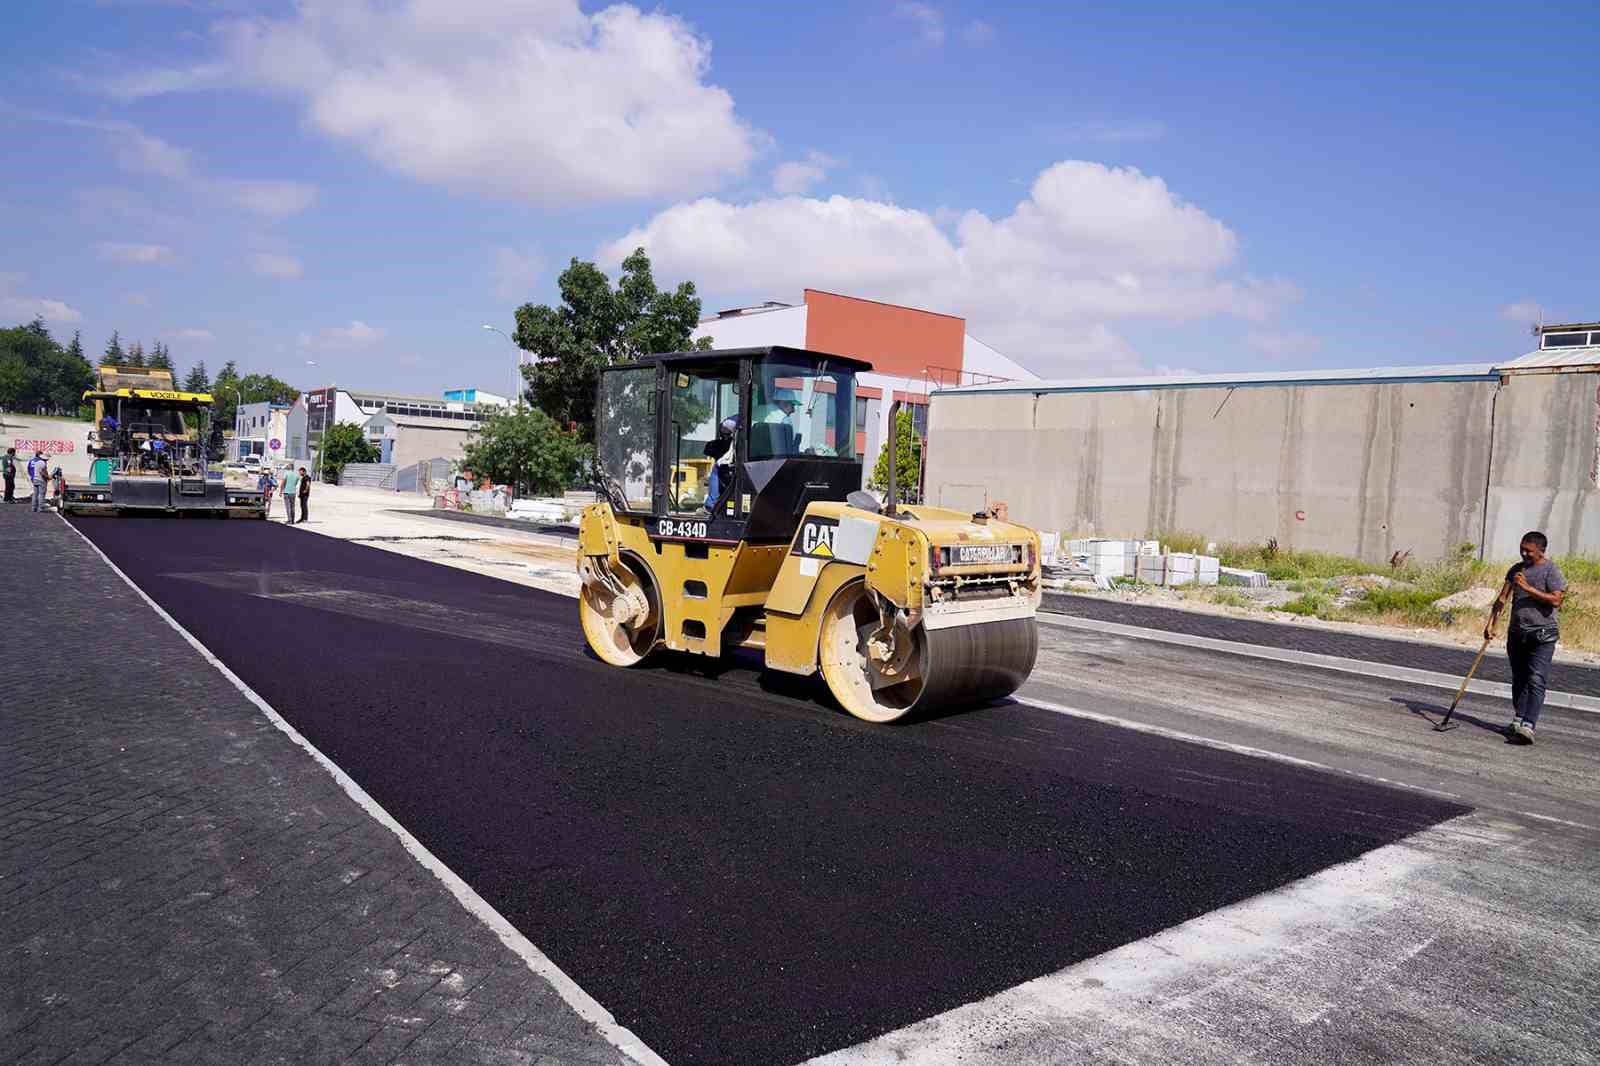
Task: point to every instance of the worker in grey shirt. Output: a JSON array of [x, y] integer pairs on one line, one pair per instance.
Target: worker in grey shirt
[[1537, 590]]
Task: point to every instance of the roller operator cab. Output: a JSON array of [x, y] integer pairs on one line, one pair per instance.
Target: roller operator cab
[[733, 518]]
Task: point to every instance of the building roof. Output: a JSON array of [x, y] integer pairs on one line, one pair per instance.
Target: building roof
[[423, 422], [1554, 358], [1381, 375]]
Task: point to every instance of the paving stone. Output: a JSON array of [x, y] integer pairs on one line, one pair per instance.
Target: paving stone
[[179, 883]]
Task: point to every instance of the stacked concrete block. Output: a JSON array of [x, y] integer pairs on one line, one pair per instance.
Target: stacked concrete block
[[1250, 579]]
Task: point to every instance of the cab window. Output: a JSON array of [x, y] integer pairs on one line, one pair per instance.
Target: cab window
[[799, 409]]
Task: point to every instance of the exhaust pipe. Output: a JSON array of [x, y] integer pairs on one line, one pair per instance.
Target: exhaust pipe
[[894, 436]]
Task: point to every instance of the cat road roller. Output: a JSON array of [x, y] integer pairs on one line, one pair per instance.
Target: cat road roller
[[732, 517]]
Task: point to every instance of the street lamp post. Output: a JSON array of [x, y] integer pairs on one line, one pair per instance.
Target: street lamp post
[[517, 378]]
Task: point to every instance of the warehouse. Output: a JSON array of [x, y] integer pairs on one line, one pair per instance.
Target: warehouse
[[1360, 462]]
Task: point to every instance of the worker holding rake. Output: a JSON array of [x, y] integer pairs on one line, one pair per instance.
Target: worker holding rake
[[1536, 589]]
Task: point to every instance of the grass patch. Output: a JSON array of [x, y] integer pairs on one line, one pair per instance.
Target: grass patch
[[1309, 605], [1180, 541]]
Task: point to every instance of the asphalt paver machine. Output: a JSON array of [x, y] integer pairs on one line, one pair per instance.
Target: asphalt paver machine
[[154, 450], [733, 518]]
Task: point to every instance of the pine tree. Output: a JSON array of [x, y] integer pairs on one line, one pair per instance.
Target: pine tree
[[197, 381], [160, 358], [76, 347], [135, 355], [114, 352]]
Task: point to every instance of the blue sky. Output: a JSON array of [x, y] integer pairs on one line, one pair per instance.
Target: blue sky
[[362, 185]]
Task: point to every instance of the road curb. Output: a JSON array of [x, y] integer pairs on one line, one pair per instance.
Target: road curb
[[1366, 668]]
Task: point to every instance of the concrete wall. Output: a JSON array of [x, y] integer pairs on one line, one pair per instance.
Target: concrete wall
[[415, 443], [65, 442], [1357, 469]]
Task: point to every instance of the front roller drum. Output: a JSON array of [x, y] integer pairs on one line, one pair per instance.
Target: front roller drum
[[620, 613], [947, 668]]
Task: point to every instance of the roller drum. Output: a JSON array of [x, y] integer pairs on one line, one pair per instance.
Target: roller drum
[[976, 663]]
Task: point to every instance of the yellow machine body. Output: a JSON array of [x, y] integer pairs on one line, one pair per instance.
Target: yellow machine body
[[901, 609]]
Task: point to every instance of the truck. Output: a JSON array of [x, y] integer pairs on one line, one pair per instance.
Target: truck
[[155, 450]]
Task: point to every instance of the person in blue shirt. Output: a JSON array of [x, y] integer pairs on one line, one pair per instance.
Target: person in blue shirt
[[39, 474]]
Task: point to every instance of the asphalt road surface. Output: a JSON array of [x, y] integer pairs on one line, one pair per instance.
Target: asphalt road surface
[[732, 866]]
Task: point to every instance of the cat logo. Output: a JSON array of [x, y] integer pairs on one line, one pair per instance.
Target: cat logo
[[815, 539]]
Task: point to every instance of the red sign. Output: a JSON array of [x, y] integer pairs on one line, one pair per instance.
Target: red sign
[[24, 446]]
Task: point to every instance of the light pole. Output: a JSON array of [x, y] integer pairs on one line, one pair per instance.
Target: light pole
[[517, 392]]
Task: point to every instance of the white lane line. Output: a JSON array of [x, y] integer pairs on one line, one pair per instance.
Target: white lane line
[[1223, 745], [1571, 700], [585, 1005]]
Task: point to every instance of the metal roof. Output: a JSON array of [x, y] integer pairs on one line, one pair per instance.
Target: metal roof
[[1382, 375], [1553, 358], [465, 425]]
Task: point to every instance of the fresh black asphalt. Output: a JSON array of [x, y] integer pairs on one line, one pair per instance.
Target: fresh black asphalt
[[1564, 676], [736, 869]]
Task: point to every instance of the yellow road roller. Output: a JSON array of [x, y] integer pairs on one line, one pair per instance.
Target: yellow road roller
[[732, 516]]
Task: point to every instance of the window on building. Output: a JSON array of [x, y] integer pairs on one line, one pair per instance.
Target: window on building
[[861, 414], [919, 419], [1565, 340]]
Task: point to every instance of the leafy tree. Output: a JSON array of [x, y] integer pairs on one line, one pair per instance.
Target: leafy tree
[[224, 390], [908, 460], [75, 349], [596, 326], [525, 449], [37, 374], [343, 443], [135, 355], [196, 380], [260, 388], [161, 358], [114, 353]]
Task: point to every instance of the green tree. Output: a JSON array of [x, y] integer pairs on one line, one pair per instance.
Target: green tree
[[114, 353], [135, 356], [196, 380], [37, 374], [260, 388], [596, 326], [343, 443], [908, 460], [224, 391], [161, 358], [525, 449], [76, 347]]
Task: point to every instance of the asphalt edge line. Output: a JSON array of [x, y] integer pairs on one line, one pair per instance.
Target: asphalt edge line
[[1224, 745], [585, 1005], [1365, 667]]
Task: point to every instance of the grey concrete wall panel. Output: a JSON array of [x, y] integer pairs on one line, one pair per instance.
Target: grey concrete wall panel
[[1545, 455], [1365, 469]]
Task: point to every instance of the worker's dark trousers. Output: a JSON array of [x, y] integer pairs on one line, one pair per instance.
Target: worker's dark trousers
[[11, 490], [1530, 665], [304, 501]]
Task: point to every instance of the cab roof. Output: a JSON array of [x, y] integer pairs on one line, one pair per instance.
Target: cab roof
[[196, 399], [777, 351]]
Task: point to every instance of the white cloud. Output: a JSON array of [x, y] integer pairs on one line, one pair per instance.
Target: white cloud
[[1523, 312], [1284, 344], [335, 338], [144, 254], [136, 299], [138, 152], [798, 176], [515, 273], [1090, 246], [273, 265], [534, 101], [926, 20], [28, 308], [276, 199], [194, 335]]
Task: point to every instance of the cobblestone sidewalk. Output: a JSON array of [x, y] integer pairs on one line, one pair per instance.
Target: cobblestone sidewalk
[[180, 883]]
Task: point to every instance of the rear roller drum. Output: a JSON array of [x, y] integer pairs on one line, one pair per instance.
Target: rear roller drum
[[621, 618], [945, 667]]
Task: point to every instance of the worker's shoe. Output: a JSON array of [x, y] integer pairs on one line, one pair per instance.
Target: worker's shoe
[[1524, 730], [1511, 730]]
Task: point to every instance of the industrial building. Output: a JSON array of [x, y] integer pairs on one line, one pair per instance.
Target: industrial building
[[1360, 462], [911, 352]]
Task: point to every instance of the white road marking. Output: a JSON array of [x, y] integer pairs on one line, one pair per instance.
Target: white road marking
[[1451, 682], [1222, 745], [583, 1004]]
